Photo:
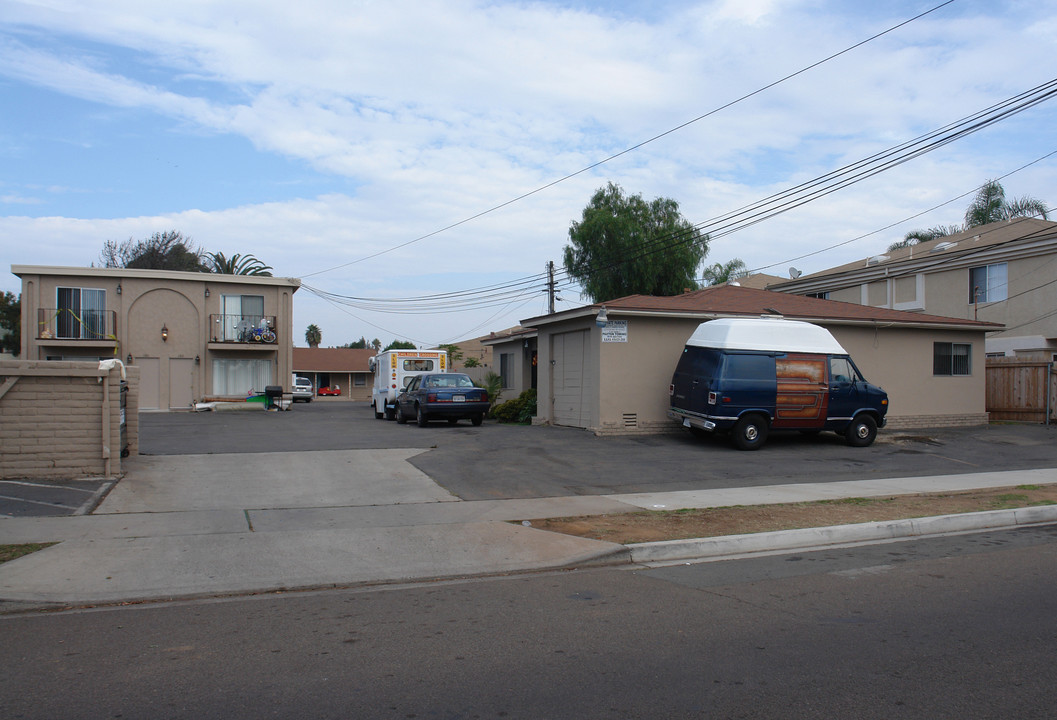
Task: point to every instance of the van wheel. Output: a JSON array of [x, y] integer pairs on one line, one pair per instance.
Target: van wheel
[[862, 431], [390, 413], [377, 413], [750, 432]]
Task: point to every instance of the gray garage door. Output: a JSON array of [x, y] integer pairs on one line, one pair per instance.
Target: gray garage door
[[573, 379]]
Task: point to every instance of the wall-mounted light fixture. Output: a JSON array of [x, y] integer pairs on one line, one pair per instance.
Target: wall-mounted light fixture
[[602, 319], [119, 288], [207, 292], [198, 359], [164, 333], [128, 360]]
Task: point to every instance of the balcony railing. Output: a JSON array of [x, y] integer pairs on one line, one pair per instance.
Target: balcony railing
[[68, 324], [258, 329]]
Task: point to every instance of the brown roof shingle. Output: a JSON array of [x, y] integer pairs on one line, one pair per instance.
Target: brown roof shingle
[[332, 359], [734, 300]]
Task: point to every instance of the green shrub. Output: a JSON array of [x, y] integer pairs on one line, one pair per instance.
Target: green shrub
[[519, 410]]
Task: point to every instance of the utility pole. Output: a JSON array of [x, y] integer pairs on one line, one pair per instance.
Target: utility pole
[[550, 287]]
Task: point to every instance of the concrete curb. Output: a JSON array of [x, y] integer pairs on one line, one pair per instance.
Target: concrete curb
[[784, 540]]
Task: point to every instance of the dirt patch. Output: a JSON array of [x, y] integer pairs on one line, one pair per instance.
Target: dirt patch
[[650, 526]]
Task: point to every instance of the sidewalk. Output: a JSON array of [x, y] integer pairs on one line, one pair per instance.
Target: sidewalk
[[154, 538]]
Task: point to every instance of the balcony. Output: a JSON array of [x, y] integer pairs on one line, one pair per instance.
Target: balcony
[[65, 327], [242, 330]]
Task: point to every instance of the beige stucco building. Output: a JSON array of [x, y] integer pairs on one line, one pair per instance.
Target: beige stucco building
[[615, 379], [194, 336], [1002, 273]]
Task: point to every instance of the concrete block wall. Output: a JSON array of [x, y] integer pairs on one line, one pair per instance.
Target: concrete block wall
[[63, 419]]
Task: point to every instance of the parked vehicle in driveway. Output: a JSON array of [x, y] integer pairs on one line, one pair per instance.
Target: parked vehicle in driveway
[[751, 375], [392, 369], [441, 396], [331, 390], [302, 389]]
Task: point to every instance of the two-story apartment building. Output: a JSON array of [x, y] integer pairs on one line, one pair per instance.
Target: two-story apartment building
[[1004, 272], [194, 336]]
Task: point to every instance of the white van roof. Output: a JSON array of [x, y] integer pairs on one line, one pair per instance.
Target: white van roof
[[767, 335]]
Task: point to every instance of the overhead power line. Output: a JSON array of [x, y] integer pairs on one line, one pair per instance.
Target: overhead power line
[[639, 145]]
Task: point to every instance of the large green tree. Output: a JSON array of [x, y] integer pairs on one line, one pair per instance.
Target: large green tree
[[400, 345], [313, 335], [624, 245], [161, 251], [988, 206], [11, 321]]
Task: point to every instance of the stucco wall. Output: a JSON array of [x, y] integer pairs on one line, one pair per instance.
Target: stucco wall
[[635, 375], [144, 301], [900, 361], [63, 419]]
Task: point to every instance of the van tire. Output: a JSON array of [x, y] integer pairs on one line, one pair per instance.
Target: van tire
[[377, 414], [862, 431], [750, 432], [390, 413]]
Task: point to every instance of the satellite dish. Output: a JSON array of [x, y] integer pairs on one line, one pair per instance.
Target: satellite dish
[[794, 273]]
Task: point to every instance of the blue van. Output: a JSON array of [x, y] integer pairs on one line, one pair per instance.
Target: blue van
[[748, 376]]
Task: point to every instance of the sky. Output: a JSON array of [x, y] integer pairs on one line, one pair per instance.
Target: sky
[[395, 151]]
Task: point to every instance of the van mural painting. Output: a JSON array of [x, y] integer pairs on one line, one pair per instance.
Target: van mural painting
[[749, 376]]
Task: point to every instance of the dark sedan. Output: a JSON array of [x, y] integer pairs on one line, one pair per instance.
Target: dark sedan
[[441, 396]]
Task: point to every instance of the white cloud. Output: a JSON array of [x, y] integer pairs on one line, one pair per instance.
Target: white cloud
[[418, 115]]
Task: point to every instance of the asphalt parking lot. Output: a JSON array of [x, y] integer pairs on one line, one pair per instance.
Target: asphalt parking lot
[[509, 461]]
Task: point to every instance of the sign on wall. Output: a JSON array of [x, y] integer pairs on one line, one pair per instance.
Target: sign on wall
[[615, 331]]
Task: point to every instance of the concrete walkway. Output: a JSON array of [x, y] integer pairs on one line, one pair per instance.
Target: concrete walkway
[[192, 526]]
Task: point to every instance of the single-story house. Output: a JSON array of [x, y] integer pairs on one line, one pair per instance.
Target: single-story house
[[514, 353], [342, 367], [607, 367]]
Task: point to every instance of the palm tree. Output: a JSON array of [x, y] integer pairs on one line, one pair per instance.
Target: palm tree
[[313, 336], [721, 273], [988, 206], [238, 265], [919, 236]]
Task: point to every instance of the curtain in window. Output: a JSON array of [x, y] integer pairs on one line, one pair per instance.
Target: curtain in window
[[241, 376]]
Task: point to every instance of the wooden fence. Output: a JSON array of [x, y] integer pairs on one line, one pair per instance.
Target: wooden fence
[[1024, 390]]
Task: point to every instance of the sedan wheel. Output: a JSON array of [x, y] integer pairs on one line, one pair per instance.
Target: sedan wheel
[[420, 416], [401, 419]]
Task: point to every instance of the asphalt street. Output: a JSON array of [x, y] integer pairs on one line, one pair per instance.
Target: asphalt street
[[940, 628]]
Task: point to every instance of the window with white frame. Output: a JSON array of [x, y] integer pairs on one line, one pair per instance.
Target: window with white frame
[[988, 283], [81, 313], [952, 358], [242, 313]]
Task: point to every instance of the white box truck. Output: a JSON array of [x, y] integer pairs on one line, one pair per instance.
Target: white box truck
[[393, 368]]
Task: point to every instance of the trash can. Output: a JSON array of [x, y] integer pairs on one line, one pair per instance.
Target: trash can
[[273, 395]]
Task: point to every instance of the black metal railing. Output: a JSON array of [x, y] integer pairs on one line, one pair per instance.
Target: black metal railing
[[242, 329]]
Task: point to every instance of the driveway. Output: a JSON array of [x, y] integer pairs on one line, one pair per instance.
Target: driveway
[[508, 461]]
